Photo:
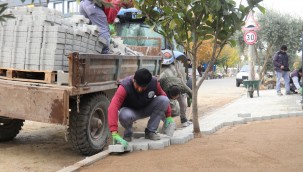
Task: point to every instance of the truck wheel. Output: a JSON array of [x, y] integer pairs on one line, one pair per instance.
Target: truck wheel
[[88, 129], [9, 128]]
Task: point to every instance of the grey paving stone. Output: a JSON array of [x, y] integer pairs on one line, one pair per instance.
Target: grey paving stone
[[166, 141], [257, 118], [156, 144], [116, 148], [140, 146], [180, 139], [275, 116], [228, 123], [266, 117], [284, 115], [244, 115]]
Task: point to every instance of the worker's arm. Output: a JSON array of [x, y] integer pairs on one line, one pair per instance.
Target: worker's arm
[[114, 107], [160, 92]]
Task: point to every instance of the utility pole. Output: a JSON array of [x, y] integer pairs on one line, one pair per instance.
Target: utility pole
[[250, 38], [302, 67]]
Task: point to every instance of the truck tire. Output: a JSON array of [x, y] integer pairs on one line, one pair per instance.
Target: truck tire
[[9, 128], [85, 136]]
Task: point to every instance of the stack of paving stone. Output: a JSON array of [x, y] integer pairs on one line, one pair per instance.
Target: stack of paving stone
[[40, 38]]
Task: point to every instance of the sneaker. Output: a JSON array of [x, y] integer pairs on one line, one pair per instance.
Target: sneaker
[[151, 135], [186, 124], [288, 93], [279, 94]]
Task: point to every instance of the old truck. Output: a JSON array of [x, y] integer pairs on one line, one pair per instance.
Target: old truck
[[81, 103]]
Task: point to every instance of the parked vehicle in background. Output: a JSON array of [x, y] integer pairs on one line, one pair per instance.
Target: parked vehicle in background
[[243, 74]]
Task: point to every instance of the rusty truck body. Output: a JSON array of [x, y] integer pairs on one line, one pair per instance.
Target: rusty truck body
[[80, 102]]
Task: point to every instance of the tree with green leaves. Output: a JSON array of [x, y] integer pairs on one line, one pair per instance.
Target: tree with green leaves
[[228, 57], [190, 22], [4, 17], [278, 29]]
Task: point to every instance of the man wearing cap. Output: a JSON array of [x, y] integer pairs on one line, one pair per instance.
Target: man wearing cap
[[137, 97]]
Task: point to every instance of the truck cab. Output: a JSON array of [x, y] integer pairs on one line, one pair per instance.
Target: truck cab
[[135, 32]]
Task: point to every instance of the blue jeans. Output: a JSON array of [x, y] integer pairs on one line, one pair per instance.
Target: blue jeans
[[97, 16], [155, 110], [285, 75]]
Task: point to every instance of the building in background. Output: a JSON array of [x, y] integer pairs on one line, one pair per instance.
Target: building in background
[[67, 7]]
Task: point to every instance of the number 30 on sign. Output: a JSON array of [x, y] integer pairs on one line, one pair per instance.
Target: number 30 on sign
[[250, 37]]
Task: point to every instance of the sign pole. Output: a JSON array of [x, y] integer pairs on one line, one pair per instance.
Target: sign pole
[[302, 68]]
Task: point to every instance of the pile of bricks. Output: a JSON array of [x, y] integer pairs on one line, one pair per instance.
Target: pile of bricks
[[40, 38]]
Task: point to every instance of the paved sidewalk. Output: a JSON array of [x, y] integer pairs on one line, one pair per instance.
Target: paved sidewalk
[[267, 106]]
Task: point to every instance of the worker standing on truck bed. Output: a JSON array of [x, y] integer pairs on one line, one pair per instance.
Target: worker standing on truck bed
[[137, 97], [102, 13]]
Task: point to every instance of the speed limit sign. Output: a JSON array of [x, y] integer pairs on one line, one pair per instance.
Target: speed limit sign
[[250, 37]]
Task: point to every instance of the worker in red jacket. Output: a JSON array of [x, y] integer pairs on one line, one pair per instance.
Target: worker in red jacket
[[139, 96], [102, 13]]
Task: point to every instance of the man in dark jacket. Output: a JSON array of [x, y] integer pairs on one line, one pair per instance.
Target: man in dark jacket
[[139, 96], [280, 61]]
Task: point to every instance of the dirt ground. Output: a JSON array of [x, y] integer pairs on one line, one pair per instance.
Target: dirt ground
[[268, 146], [250, 147], [273, 145]]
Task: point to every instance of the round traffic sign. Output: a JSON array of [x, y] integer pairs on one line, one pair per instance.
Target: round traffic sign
[[250, 37]]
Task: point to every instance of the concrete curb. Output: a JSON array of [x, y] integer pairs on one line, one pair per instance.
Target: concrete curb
[[85, 162]]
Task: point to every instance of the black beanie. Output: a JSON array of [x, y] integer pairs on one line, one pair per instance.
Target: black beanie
[[142, 77]]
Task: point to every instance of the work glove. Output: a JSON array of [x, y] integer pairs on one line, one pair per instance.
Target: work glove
[[168, 121], [112, 30], [118, 139]]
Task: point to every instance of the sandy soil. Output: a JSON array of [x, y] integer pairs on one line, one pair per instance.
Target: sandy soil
[[275, 145], [42, 147]]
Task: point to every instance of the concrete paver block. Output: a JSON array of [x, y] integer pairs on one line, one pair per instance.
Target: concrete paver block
[[266, 117], [156, 144], [140, 146], [257, 118], [116, 148], [244, 115], [166, 141], [275, 116], [180, 139]]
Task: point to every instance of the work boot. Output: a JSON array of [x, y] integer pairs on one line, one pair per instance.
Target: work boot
[[127, 138], [128, 135], [151, 135]]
